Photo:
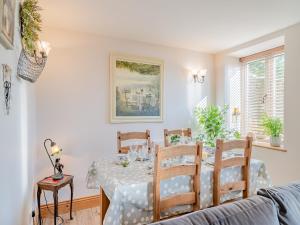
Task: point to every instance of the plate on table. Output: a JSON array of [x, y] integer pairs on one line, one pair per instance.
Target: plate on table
[[121, 160], [121, 156]]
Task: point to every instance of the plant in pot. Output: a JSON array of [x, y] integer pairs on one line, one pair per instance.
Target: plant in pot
[[34, 53], [273, 127], [212, 122]]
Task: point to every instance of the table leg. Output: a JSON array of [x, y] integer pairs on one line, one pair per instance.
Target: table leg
[[55, 198], [71, 205], [104, 203], [39, 192]]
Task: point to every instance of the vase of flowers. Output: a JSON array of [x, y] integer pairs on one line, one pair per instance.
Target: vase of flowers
[[273, 127]]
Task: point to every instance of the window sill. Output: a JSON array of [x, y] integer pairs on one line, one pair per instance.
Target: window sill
[[268, 146]]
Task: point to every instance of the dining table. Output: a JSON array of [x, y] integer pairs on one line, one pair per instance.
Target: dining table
[[129, 190]]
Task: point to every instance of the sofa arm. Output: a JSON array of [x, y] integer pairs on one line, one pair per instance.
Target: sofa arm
[[287, 201]]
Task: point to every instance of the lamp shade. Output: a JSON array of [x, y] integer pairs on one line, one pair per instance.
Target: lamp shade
[[203, 72], [55, 150]]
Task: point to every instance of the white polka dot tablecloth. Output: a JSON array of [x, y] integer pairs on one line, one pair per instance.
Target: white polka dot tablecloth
[[130, 192]]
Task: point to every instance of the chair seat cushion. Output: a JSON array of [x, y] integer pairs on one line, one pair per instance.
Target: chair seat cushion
[[255, 210], [287, 201]]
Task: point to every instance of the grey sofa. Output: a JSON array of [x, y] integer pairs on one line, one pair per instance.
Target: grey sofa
[[287, 201], [273, 206]]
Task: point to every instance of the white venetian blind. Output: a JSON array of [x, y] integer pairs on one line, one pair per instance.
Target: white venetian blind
[[278, 87], [263, 90]]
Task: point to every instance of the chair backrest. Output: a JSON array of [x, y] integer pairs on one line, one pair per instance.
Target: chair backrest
[[193, 170], [168, 133], [132, 136], [241, 161]]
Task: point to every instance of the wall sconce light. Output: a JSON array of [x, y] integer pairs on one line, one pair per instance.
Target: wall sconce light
[[236, 111], [199, 77], [235, 117]]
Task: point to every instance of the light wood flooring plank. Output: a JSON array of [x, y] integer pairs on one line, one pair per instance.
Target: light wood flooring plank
[[82, 217]]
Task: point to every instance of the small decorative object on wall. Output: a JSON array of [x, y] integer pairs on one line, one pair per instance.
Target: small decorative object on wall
[[7, 23], [7, 86], [34, 54], [136, 89], [55, 154]]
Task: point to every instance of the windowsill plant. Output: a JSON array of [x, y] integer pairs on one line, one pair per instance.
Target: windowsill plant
[[273, 127]]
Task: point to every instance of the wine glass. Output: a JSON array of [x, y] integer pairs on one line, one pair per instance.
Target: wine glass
[[151, 152], [182, 139], [189, 140], [132, 153], [143, 152]]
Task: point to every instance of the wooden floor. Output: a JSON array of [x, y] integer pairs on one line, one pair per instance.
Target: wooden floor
[[82, 217]]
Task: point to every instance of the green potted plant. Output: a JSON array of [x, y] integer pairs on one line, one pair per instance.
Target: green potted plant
[[212, 122], [273, 127]]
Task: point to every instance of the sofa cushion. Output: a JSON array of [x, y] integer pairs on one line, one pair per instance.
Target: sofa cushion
[[255, 210], [287, 201]]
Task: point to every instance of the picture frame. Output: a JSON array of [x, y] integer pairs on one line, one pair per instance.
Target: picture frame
[[136, 88], [7, 23]]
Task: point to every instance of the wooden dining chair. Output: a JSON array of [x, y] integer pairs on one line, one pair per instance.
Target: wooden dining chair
[[168, 133], [193, 170], [132, 136], [241, 161]]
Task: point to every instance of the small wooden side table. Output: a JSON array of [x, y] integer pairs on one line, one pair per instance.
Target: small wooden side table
[[54, 185]]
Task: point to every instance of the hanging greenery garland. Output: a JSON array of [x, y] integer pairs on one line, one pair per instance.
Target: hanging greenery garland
[[30, 24]]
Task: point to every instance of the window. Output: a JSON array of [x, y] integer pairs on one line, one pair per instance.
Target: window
[[261, 89], [234, 91]]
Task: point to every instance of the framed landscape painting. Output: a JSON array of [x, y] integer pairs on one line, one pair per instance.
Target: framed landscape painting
[[7, 23], [136, 89]]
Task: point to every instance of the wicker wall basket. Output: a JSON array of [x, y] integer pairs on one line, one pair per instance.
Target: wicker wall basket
[[30, 67]]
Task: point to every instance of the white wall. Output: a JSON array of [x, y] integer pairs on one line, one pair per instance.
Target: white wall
[[224, 64], [283, 167], [17, 134], [73, 97]]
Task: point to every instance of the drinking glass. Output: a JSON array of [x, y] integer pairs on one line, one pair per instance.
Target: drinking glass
[[189, 140], [151, 152], [132, 153], [182, 140], [143, 152]]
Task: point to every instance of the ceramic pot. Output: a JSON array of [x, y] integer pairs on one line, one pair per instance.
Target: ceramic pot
[[275, 141]]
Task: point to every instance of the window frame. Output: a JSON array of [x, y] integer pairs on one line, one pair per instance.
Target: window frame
[[268, 54]]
